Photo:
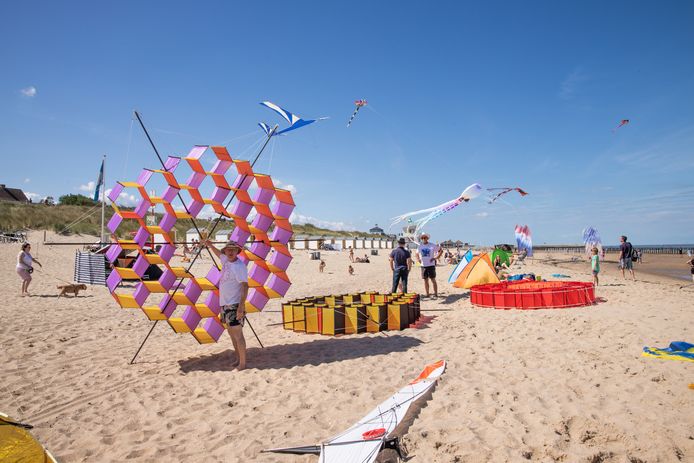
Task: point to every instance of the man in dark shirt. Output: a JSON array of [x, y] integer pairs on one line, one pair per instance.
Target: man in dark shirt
[[400, 264], [625, 252]]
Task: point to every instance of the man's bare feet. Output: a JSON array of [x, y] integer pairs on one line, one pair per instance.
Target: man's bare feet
[[240, 367]]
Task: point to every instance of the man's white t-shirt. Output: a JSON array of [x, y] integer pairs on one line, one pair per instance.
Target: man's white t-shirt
[[427, 252], [233, 274]]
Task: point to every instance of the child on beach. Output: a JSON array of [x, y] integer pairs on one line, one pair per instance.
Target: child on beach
[[595, 265]]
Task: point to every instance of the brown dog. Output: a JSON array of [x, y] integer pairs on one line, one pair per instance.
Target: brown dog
[[74, 289]]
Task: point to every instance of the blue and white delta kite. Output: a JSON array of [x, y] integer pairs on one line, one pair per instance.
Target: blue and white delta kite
[[295, 122]]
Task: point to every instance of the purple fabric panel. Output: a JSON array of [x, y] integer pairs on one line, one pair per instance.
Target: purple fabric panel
[[263, 196], [241, 209], [197, 151], [167, 306], [144, 177], [167, 222], [220, 167], [191, 318], [169, 194], [214, 275], [260, 249], [167, 279], [280, 260], [240, 236], [212, 302], [278, 285], [194, 207], [258, 274], [142, 236], [171, 163], [257, 299], [213, 328], [113, 280], [166, 252], [262, 222], [192, 291], [283, 210], [242, 182], [142, 208], [114, 222], [140, 266], [281, 235], [141, 293], [220, 194], [113, 252], [195, 179], [115, 192]]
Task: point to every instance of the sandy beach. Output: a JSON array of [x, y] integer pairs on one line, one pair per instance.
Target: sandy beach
[[547, 385]]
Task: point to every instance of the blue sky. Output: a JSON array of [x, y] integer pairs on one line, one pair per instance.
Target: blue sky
[[501, 93]]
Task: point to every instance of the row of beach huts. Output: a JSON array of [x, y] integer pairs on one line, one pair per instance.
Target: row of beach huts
[[305, 242]]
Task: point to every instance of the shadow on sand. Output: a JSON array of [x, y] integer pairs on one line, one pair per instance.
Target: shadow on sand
[[305, 353], [452, 298]]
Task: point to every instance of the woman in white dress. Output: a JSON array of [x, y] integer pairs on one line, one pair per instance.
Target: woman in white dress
[[25, 267]]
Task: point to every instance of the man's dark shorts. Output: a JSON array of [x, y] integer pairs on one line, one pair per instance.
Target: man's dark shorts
[[228, 315], [429, 272]]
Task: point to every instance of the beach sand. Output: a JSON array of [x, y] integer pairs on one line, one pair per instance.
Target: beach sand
[[548, 385]]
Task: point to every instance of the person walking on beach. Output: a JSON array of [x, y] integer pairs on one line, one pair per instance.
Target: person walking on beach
[[25, 267], [351, 254], [690, 262], [625, 252], [233, 289], [595, 265], [400, 264], [427, 254]]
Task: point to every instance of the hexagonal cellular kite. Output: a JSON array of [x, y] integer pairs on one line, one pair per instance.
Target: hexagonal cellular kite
[[260, 212]]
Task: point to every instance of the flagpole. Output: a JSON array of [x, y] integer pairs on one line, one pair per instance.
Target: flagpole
[[103, 200]]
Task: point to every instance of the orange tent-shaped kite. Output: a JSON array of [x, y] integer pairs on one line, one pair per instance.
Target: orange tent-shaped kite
[[478, 272]]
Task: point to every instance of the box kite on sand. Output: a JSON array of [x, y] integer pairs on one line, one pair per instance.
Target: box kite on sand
[[190, 303]]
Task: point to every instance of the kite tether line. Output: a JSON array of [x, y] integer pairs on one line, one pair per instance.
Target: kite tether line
[[139, 119]]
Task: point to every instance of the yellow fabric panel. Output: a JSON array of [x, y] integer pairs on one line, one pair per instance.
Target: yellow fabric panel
[[153, 312], [299, 318], [203, 310], [180, 298], [126, 301], [205, 284], [377, 318], [127, 273], [202, 336], [287, 317], [178, 325], [154, 286], [330, 301], [312, 324], [180, 272], [328, 321]]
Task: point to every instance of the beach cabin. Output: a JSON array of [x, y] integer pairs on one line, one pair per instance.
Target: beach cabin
[[378, 243], [192, 234], [299, 242], [359, 243], [314, 242], [368, 243], [222, 235], [349, 243]]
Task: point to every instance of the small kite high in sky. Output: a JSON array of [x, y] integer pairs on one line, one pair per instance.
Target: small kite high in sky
[[295, 121], [623, 122], [503, 191], [469, 193], [359, 104]]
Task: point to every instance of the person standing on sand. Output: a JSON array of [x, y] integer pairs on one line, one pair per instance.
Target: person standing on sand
[[690, 262], [595, 265], [400, 264], [233, 289], [25, 268], [625, 253], [351, 254], [427, 254]]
